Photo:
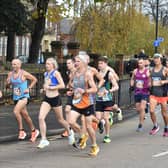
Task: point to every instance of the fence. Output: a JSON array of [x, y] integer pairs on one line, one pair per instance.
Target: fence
[[7, 92], [123, 97]]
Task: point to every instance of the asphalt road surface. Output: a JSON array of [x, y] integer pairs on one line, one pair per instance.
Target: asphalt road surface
[[128, 149]]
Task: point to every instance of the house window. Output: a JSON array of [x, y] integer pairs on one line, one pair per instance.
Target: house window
[[27, 46], [23, 45], [5, 46], [17, 46]]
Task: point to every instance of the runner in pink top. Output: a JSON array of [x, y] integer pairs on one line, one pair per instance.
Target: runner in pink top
[[140, 82]]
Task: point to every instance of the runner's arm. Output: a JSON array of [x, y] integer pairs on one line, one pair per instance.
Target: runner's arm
[[99, 77], [149, 78], [30, 77], [114, 73], [115, 86], [92, 86], [8, 80], [163, 82], [70, 82], [132, 79]]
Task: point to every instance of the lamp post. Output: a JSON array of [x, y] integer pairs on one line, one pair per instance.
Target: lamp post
[[156, 30]]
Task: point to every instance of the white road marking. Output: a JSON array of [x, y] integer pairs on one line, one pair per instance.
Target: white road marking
[[161, 154]]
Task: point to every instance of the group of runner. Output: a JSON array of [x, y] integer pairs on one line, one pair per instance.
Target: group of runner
[[150, 84], [90, 96]]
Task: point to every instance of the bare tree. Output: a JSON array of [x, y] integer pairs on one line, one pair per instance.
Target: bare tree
[[149, 8]]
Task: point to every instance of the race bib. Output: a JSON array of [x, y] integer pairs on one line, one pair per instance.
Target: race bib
[[139, 84], [17, 91], [156, 81], [103, 94], [81, 101]]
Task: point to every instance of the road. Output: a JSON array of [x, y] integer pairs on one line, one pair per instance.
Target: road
[[128, 149]]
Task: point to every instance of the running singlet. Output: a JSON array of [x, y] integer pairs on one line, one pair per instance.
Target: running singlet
[[92, 95], [141, 82], [103, 94], [81, 100], [50, 79], [19, 86], [158, 89]]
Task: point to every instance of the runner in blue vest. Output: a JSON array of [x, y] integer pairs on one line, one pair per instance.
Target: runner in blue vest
[[18, 78], [53, 82]]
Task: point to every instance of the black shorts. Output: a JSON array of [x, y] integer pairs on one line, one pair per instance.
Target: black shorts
[[139, 97], [69, 100], [16, 101], [86, 112], [53, 101], [104, 106]]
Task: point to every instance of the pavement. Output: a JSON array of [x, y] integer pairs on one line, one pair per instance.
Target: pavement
[[9, 128]]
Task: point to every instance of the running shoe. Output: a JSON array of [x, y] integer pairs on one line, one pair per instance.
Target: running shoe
[[82, 141], [101, 127], [119, 115], [43, 143], [71, 137], [165, 133], [94, 150], [34, 135], [111, 118], [154, 130], [65, 134], [106, 139], [22, 135], [139, 129]]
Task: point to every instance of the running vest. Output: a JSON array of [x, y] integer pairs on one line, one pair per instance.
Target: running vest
[[19, 86], [50, 78], [79, 82], [159, 91], [92, 95], [141, 82], [103, 93], [79, 100]]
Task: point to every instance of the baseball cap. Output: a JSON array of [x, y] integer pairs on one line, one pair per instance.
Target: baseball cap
[[157, 55]]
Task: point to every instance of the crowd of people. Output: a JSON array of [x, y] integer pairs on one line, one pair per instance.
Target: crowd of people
[[90, 97]]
